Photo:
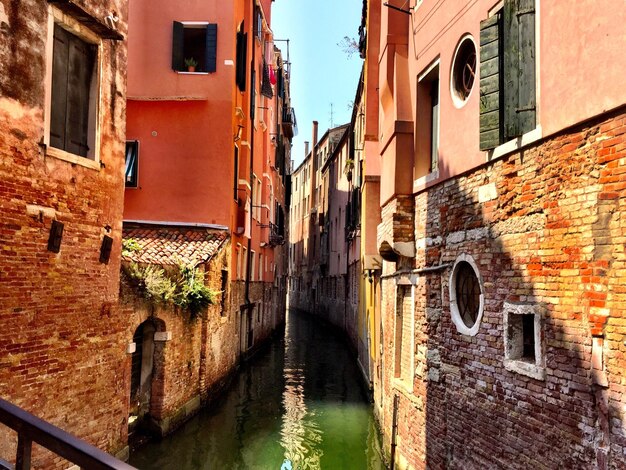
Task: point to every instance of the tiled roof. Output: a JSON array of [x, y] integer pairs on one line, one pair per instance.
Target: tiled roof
[[172, 245]]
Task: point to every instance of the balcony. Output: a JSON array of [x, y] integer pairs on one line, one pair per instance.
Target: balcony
[[31, 429]]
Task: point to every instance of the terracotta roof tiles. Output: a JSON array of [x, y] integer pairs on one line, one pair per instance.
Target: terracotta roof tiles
[[170, 245]]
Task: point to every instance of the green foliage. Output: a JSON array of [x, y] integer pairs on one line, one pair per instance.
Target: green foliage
[[183, 287], [191, 62], [130, 246]]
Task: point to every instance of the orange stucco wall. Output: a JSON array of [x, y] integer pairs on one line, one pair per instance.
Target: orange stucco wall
[[574, 83], [185, 157]]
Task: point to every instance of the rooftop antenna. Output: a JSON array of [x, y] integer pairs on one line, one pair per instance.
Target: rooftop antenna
[[332, 124]]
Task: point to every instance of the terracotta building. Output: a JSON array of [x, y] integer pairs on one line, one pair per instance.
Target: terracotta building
[[62, 107], [499, 128], [207, 161]]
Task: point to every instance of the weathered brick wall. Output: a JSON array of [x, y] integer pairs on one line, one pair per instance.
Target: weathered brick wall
[[544, 226], [62, 342], [193, 366]]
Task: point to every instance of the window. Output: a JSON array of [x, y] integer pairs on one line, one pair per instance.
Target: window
[[194, 47], [260, 267], [523, 339], [466, 295], [224, 288], [463, 71], [239, 262], [73, 110], [236, 175], [252, 264], [132, 162], [507, 74], [427, 132], [403, 364], [242, 57], [258, 23]]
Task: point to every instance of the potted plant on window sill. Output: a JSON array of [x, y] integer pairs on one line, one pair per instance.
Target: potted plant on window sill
[[191, 63]]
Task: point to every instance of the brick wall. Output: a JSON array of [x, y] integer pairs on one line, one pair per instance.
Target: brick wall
[[545, 230], [62, 345], [194, 365]]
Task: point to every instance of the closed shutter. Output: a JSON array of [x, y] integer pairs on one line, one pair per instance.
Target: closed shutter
[[519, 67], [211, 48], [58, 109], [178, 42], [242, 59], [252, 94], [490, 82], [80, 71]]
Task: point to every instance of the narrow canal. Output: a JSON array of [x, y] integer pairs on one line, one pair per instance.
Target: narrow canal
[[298, 405]]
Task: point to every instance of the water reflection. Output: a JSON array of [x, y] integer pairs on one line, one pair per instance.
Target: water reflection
[[300, 401]]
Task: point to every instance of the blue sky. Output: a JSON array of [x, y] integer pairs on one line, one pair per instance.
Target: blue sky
[[321, 73]]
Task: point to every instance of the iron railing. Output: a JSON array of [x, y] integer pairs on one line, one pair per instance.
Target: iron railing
[[31, 429]]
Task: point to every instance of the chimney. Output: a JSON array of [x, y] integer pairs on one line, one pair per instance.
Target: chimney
[[306, 148]]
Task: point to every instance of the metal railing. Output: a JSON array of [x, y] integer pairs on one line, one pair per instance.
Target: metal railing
[[31, 429]]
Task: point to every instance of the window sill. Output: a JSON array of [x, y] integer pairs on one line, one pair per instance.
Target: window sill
[[72, 158], [190, 73], [515, 144], [402, 386], [420, 183], [525, 368]]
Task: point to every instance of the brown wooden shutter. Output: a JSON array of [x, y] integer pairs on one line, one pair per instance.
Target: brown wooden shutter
[[211, 48], [58, 109], [490, 83], [242, 59], [80, 72], [519, 67], [178, 42]]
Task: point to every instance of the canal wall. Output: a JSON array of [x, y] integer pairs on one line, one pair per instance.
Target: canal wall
[[535, 378]]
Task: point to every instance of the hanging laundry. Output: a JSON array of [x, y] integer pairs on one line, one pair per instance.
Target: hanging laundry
[[266, 86]]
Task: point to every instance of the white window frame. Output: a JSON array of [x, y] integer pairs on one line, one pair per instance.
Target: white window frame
[[71, 24], [512, 359], [454, 309]]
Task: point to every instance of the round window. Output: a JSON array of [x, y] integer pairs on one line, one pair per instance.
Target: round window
[[463, 71], [466, 296]]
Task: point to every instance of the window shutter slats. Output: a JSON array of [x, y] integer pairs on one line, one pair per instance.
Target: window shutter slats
[[527, 112], [211, 48], [81, 60], [519, 67], [178, 41], [490, 83], [58, 109]]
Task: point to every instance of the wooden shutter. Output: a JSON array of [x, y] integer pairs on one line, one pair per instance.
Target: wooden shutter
[[58, 111], [178, 42], [490, 82], [252, 94], [242, 59], [80, 72], [211, 48], [519, 67]]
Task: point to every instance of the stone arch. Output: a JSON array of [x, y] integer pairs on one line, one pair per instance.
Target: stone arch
[[146, 382]]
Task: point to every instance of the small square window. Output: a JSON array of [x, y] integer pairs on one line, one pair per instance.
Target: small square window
[[523, 346], [132, 162], [194, 47]]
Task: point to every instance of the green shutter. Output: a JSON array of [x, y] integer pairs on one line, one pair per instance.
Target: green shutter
[[58, 107], [80, 72], [519, 67], [490, 83], [252, 94], [211, 48], [178, 42]]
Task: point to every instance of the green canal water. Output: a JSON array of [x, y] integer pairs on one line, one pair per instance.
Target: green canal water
[[297, 405]]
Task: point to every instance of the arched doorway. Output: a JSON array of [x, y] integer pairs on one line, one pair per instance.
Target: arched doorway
[[142, 368]]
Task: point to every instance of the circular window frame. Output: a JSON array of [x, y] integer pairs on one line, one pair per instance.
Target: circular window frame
[[456, 99], [454, 309]]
